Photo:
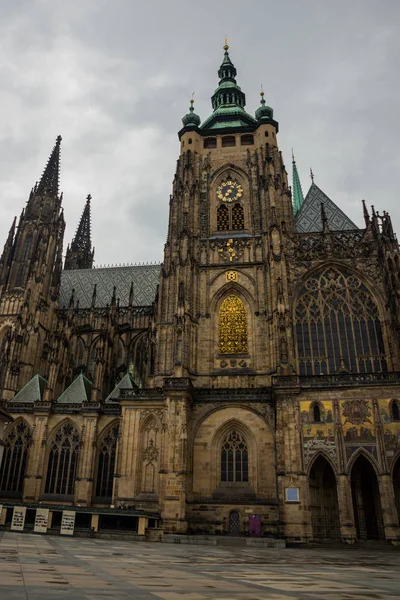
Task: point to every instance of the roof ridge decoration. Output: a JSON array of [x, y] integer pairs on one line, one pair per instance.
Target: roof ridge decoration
[[80, 254], [32, 391], [77, 392], [308, 218]]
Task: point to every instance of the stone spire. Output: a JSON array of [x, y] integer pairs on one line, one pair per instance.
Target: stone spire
[[80, 254], [297, 192], [49, 182]]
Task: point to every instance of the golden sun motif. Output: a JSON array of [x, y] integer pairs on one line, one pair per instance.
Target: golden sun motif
[[229, 191]]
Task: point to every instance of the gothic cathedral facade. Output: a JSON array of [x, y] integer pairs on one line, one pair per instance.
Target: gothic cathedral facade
[[254, 374]]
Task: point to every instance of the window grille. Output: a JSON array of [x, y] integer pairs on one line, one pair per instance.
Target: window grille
[[232, 326]]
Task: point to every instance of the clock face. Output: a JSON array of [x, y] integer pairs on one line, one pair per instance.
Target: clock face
[[229, 191]]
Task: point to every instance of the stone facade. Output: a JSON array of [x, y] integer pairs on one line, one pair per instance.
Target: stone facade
[[262, 377]]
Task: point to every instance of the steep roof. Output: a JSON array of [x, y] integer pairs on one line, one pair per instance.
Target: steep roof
[[32, 391], [126, 382], [308, 218], [78, 392], [144, 278]]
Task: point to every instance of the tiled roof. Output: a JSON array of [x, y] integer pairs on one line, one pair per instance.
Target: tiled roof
[[308, 219], [144, 277], [78, 392], [31, 392], [125, 383]]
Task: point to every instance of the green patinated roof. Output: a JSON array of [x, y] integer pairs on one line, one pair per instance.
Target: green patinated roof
[[78, 392], [126, 382], [32, 391], [297, 192]]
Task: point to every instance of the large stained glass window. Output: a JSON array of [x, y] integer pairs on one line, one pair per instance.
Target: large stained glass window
[[12, 472], [338, 326], [63, 461], [234, 458]]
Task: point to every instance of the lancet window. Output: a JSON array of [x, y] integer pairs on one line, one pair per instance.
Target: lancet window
[[230, 218], [63, 461], [106, 464], [232, 325], [234, 458], [12, 472], [338, 326]]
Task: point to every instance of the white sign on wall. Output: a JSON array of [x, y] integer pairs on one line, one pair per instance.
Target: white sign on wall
[[41, 520], [68, 522], [18, 520]]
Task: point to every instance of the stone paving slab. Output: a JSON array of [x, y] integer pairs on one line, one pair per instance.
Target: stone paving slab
[[39, 567]]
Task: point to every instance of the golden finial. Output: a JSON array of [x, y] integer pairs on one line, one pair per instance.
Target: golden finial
[[226, 47], [262, 91], [192, 99], [292, 155]]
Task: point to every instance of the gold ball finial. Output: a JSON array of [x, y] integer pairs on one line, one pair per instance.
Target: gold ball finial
[[226, 47]]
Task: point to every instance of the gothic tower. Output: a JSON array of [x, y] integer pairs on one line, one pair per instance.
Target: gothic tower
[[222, 312], [80, 254], [30, 271]]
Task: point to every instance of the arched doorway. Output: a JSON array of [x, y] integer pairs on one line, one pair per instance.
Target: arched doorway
[[234, 522], [366, 501], [323, 501], [396, 484]]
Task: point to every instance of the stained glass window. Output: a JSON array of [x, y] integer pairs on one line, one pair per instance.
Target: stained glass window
[[338, 326], [63, 461], [17, 444], [106, 463], [234, 458]]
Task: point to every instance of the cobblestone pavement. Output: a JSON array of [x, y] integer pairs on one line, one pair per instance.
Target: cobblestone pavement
[[35, 567]]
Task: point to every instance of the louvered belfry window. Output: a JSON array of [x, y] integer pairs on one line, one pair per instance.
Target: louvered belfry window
[[230, 218], [338, 326]]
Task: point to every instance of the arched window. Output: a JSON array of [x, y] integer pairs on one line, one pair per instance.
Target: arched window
[[210, 143], [395, 411], [121, 353], [232, 324], [80, 354], [316, 413], [237, 217], [20, 276], [5, 337], [247, 140], [92, 360], [138, 358], [12, 472], [223, 218], [63, 461], [27, 247], [234, 458], [338, 326], [228, 140], [106, 464]]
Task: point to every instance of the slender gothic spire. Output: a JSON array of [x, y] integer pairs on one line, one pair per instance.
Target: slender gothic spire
[[49, 182], [297, 197], [80, 254]]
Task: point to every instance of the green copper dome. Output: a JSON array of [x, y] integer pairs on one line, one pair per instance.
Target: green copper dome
[[191, 118], [264, 112]]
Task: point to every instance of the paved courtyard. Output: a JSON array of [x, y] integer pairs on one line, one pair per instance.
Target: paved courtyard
[[34, 567]]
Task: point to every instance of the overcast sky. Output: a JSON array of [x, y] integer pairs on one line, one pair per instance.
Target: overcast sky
[[114, 78]]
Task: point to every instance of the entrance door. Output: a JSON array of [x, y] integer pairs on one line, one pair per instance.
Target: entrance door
[[324, 501], [366, 501], [234, 523]]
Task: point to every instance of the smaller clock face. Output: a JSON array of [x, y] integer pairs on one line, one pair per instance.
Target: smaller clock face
[[229, 191]]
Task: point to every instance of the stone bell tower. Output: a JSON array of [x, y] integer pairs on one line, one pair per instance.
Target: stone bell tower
[[222, 317], [30, 272]]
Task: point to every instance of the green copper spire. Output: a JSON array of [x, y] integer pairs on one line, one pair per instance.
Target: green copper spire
[[228, 101], [297, 192], [191, 118]]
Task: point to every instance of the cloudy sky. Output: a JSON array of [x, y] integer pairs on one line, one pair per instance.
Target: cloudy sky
[[115, 78]]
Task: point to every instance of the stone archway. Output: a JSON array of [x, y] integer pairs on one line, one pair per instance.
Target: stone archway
[[324, 501], [366, 500], [396, 484]]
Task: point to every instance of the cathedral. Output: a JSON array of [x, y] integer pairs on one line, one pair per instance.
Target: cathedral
[[248, 384]]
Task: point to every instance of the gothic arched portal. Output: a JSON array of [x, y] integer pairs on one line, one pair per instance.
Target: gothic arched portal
[[366, 500], [324, 501], [338, 326]]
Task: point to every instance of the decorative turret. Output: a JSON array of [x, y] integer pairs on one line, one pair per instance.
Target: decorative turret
[[297, 192], [80, 254], [264, 112], [191, 119]]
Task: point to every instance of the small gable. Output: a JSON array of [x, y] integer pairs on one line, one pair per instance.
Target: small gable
[[31, 392], [308, 218], [126, 382], [78, 392]]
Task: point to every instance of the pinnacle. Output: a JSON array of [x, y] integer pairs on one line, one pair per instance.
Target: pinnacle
[[49, 182]]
